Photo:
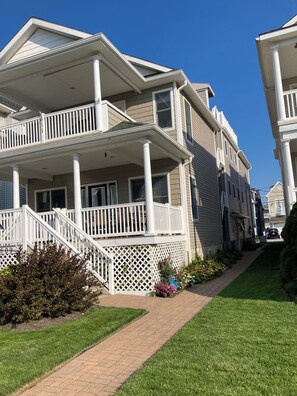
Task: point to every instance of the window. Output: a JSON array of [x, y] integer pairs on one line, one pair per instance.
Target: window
[[238, 194], [99, 194], [226, 147], [189, 132], [160, 189], [163, 108], [229, 187], [121, 105], [194, 201], [48, 199], [231, 153], [242, 199], [234, 194]]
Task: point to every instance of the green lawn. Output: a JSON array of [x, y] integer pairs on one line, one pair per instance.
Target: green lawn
[[243, 343], [25, 356]]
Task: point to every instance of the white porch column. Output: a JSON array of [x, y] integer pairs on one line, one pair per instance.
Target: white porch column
[[279, 94], [97, 92], [150, 218], [77, 190], [16, 187], [288, 175]]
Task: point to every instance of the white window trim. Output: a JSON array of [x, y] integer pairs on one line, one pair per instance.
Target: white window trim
[[99, 184], [153, 175], [198, 212], [171, 107], [226, 148], [50, 189], [186, 132]]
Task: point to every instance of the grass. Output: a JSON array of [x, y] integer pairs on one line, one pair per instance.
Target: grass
[[243, 343], [25, 356]]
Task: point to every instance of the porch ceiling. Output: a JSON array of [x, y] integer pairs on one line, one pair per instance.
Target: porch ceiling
[[96, 152], [63, 78]]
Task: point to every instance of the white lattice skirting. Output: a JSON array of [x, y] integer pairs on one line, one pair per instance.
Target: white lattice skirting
[[7, 256], [135, 266]]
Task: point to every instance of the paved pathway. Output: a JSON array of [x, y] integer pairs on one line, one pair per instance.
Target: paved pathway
[[105, 367]]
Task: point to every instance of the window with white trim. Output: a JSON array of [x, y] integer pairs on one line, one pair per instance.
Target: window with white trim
[[188, 120], [163, 108], [194, 200], [226, 148], [46, 200], [160, 189]]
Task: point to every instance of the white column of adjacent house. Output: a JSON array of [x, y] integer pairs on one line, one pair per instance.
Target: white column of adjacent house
[[77, 190], [15, 186], [149, 202], [279, 93], [288, 175], [97, 92]]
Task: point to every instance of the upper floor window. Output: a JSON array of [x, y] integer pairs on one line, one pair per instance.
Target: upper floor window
[[226, 147], [163, 108], [121, 105], [229, 187], [46, 200], [231, 153], [189, 132], [234, 193]]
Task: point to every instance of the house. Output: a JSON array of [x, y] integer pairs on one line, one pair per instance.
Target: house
[[276, 52], [118, 154], [276, 207], [234, 185]]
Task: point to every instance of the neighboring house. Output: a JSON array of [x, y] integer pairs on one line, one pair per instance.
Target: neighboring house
[[278, 62], [276, 207], [126, 146], [258, 213], [234, 185]]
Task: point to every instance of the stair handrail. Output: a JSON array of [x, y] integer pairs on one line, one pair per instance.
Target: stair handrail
[[59, 238], [86, 237]]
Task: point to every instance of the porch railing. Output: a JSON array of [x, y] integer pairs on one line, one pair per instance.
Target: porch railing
[[58, 125], [290, 101], [124, 219]]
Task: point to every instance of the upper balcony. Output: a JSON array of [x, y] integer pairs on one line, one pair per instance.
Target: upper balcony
[[60, 125]]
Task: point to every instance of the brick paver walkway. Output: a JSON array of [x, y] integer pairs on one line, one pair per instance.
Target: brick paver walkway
[[105, 367]]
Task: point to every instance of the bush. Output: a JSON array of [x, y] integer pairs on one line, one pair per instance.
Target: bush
[[163, 289], [203, 270], [288, 257], [49, 282], [166, 270], [228, 257]]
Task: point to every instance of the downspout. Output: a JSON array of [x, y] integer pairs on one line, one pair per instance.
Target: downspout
[[181, 168]]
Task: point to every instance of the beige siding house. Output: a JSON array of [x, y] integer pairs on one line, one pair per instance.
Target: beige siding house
[[276, 207], [119, 156]]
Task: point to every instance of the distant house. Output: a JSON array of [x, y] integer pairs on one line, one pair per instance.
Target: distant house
[[120, 156], [278, 62], [276, 206]]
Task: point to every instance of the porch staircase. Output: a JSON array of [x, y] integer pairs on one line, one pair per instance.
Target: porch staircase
[[23, 227]]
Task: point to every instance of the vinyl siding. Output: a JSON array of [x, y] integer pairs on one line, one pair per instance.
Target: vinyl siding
[[140, 107], [114, 118], [40, 41], [206, 233], [120, 174]]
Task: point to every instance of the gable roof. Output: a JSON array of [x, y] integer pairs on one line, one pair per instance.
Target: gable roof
[[30, 28], [278, 183]]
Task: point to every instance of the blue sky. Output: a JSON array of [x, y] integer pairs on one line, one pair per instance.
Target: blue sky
[[212, 41]]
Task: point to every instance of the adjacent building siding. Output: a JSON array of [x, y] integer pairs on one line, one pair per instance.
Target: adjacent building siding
[[40, 41], [205, 233]]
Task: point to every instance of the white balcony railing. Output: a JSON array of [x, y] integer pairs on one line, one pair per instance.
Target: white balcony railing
[[290, 101], [123, 220], [59, 125]]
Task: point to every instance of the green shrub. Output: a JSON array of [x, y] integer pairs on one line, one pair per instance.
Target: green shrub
[[288, 257], [249, 244], [288, 271], [49, 282], [203, 270]]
